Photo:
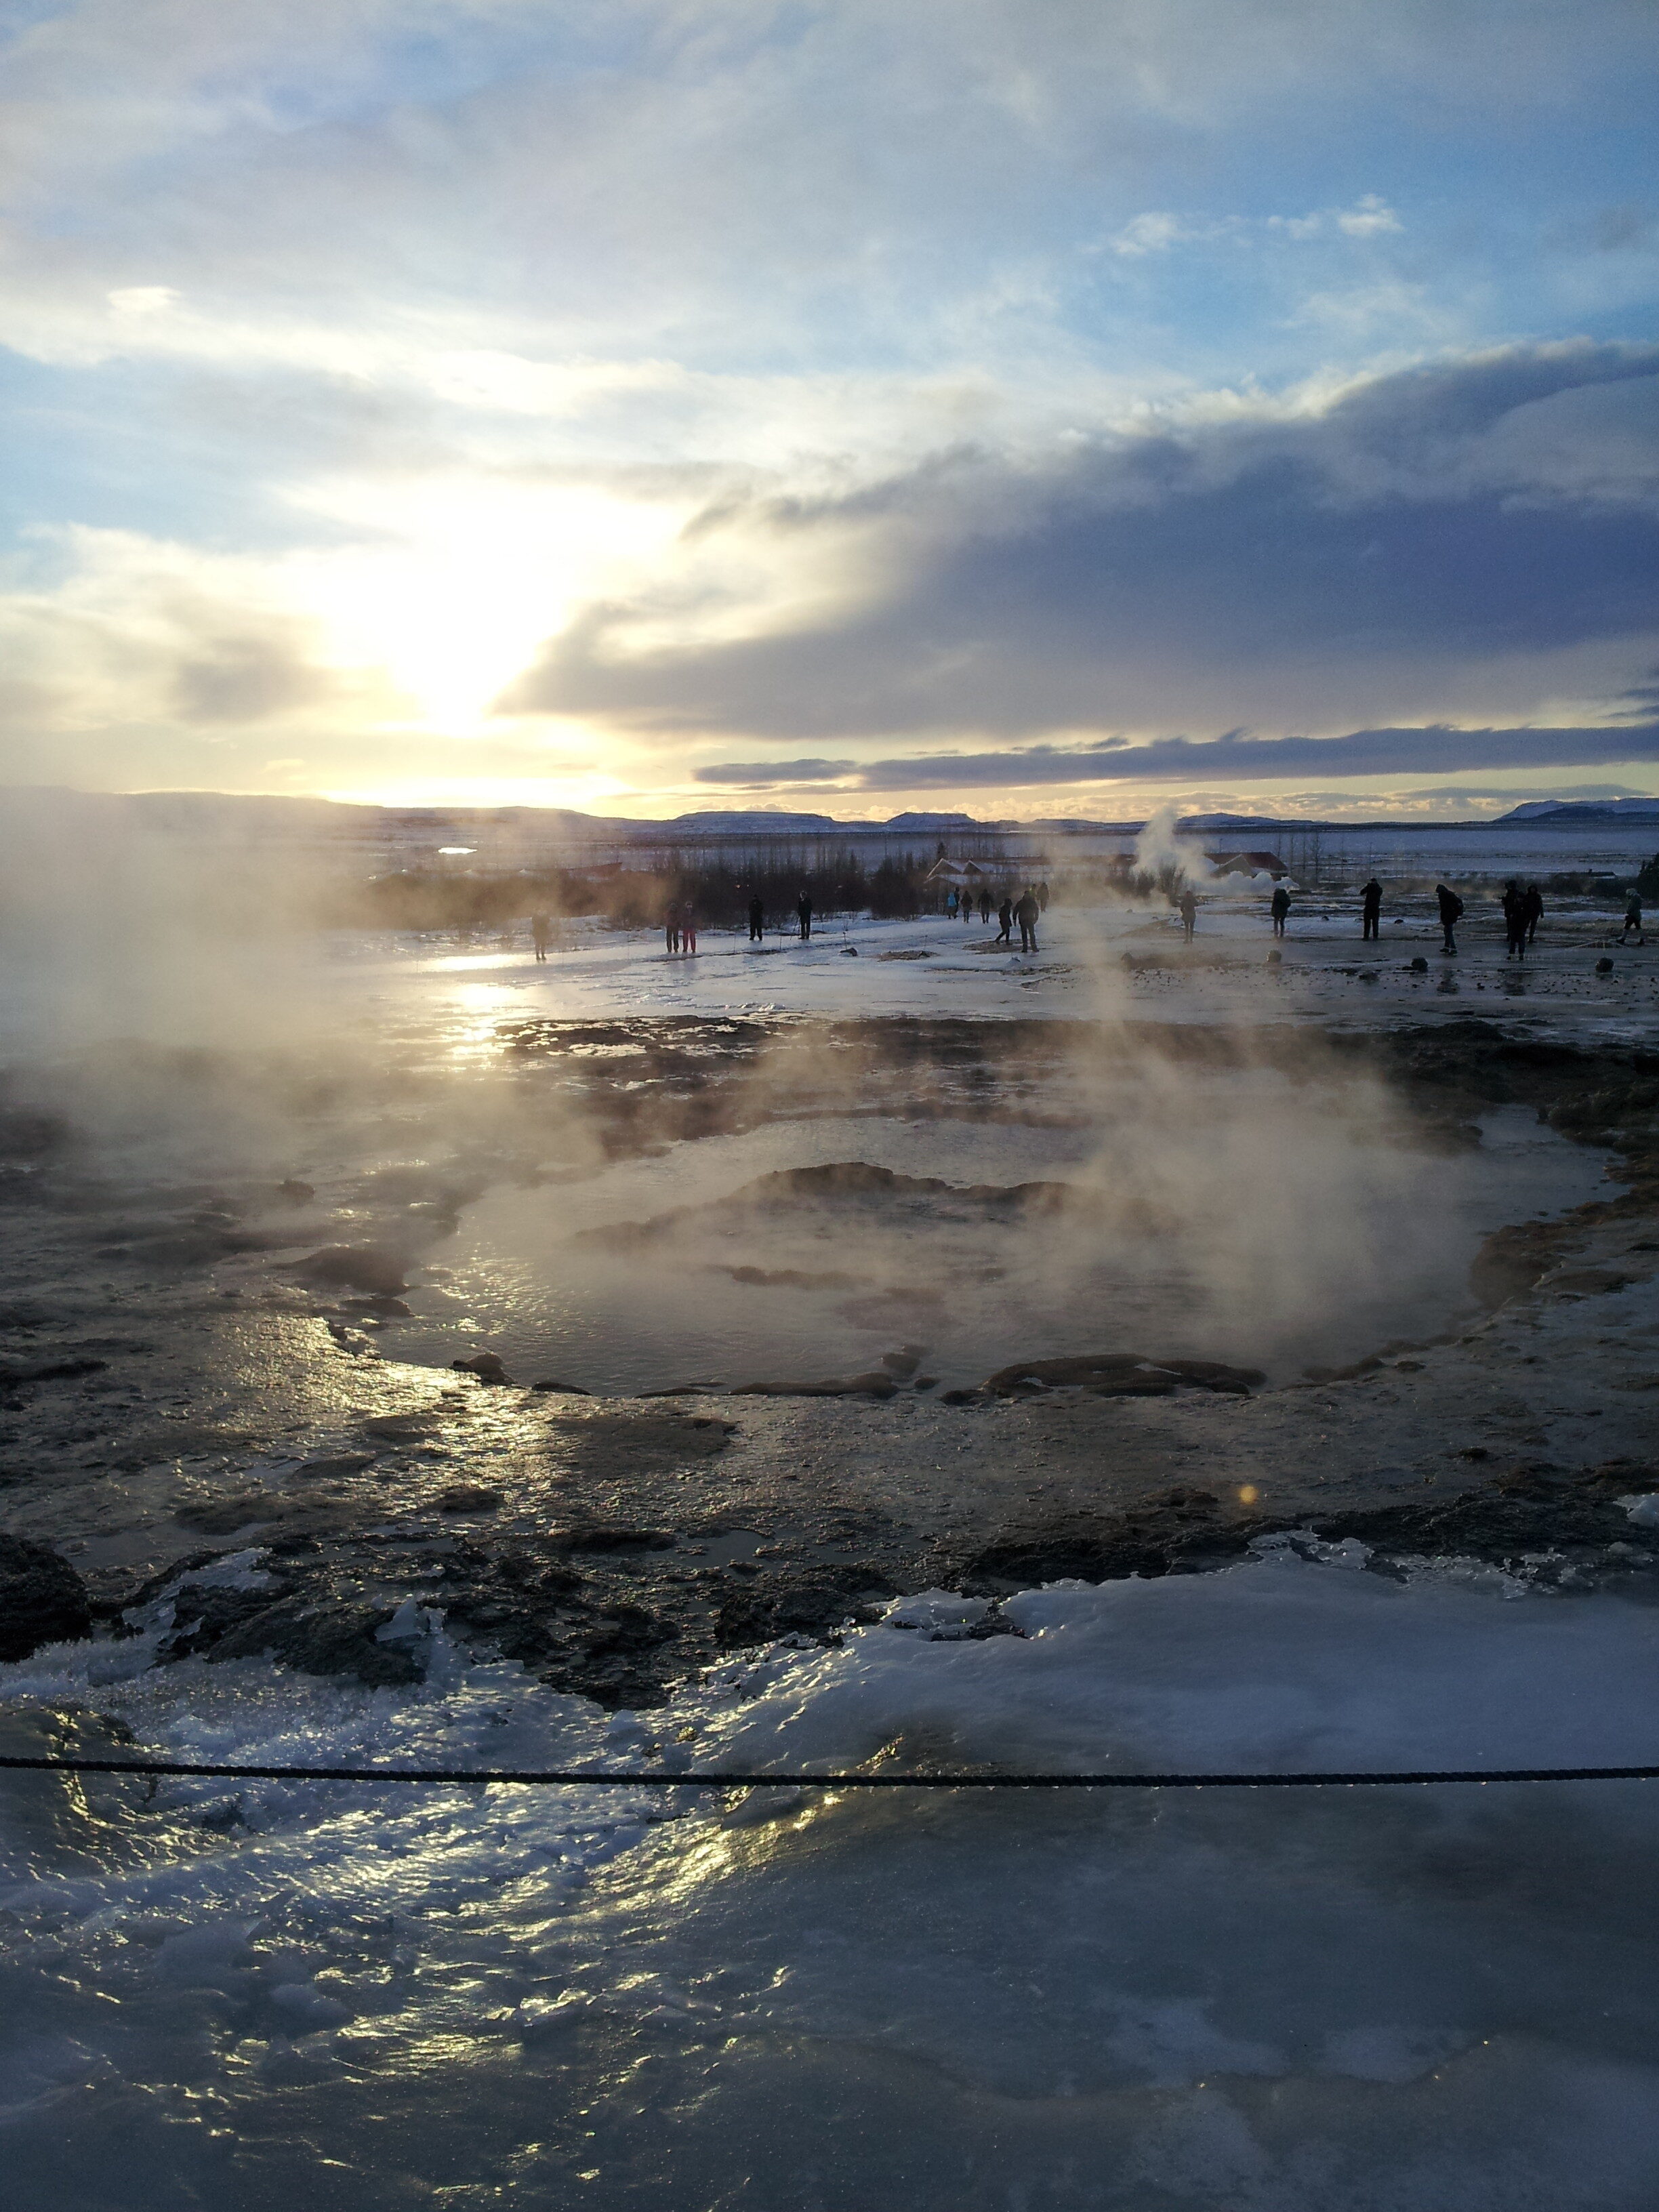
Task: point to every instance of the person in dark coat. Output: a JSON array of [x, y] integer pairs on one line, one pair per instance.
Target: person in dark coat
[[804, 914], [1371, 909], [1515, 921], [984, 906], [1279, 906], [1451, 907], [541, 931], [1006, 916], [1188, 906], [1532, 911], [757, 920], [670, 927], [1025, 913]]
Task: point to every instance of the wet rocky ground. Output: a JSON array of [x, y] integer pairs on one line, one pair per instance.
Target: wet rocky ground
[[198, 1432]]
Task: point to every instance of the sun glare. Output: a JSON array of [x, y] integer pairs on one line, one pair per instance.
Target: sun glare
[[459, 583]]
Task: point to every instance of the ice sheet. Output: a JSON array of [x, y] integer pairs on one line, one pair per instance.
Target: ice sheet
[[1434, 2001]]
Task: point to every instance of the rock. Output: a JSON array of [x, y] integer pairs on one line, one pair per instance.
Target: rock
[[295, 1191], [468, 1498], [565, 1390], [486, 1365], [1419, 966], [1121, 1375], [15, 1373], [42, 1599], [1604, 967], [374, 1267], [1181, 1531], [325, 1638], [904, 1362], [608, 1537]]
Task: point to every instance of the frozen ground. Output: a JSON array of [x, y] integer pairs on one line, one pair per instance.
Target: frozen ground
[[1392, 2003], [1433, 2000]]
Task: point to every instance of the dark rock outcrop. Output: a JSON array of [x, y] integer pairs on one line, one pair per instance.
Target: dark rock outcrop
[[42, 1599], [1121, 1375]]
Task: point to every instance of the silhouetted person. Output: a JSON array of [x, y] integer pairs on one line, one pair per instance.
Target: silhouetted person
[[1515, 921], [1371, 909], [1451, 907], [1025, 913], [950, 903], [1188, 906], [1042, 897], [1006, 916], [757, 920], [687, 927], [1633, 920], [1532, 911], [1278, 906], [984, 907], [541, 930], [804, 914], [672, 926]]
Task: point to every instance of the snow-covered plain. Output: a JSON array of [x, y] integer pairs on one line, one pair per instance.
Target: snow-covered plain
[[1437, 1999]]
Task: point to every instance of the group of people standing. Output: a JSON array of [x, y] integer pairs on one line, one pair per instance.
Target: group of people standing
[[804, 911], [1032, 903], [680, 927]]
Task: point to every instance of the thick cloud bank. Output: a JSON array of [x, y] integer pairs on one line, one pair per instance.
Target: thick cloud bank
[[1485, 531]]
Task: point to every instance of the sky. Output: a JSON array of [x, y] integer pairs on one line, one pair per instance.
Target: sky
[[1029, 407]]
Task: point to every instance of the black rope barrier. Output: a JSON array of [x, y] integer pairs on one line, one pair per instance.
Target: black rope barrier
[[590, 1779]]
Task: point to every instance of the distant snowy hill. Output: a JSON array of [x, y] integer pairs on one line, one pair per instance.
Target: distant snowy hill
[[1567, 810], [742, 822]]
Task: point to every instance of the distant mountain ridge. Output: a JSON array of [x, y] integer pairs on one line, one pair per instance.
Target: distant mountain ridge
[[1565, 811]]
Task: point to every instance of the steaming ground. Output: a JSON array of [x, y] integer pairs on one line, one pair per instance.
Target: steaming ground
[[963, 1275]]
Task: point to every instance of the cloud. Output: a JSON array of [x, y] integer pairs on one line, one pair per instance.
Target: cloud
[[1484, 525], [139, 634], [1236, 758]]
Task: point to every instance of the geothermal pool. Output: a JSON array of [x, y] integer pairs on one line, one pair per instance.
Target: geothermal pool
[[1248, 1222]]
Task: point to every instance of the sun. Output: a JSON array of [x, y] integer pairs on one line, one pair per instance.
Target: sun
[[452, 586]]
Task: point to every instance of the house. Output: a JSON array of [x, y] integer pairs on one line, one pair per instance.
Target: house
[[1248, 864]]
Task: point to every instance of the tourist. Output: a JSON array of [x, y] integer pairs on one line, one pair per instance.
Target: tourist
[[1025, 913], [804, 914], [687, 927], [1451, 907], [1633, 920], [541, 930], [1515, 921], [1532, 911], [1371, 909], [1279, 907], [672, 926], [757, 920], [1188, 906], [1006, 916]]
